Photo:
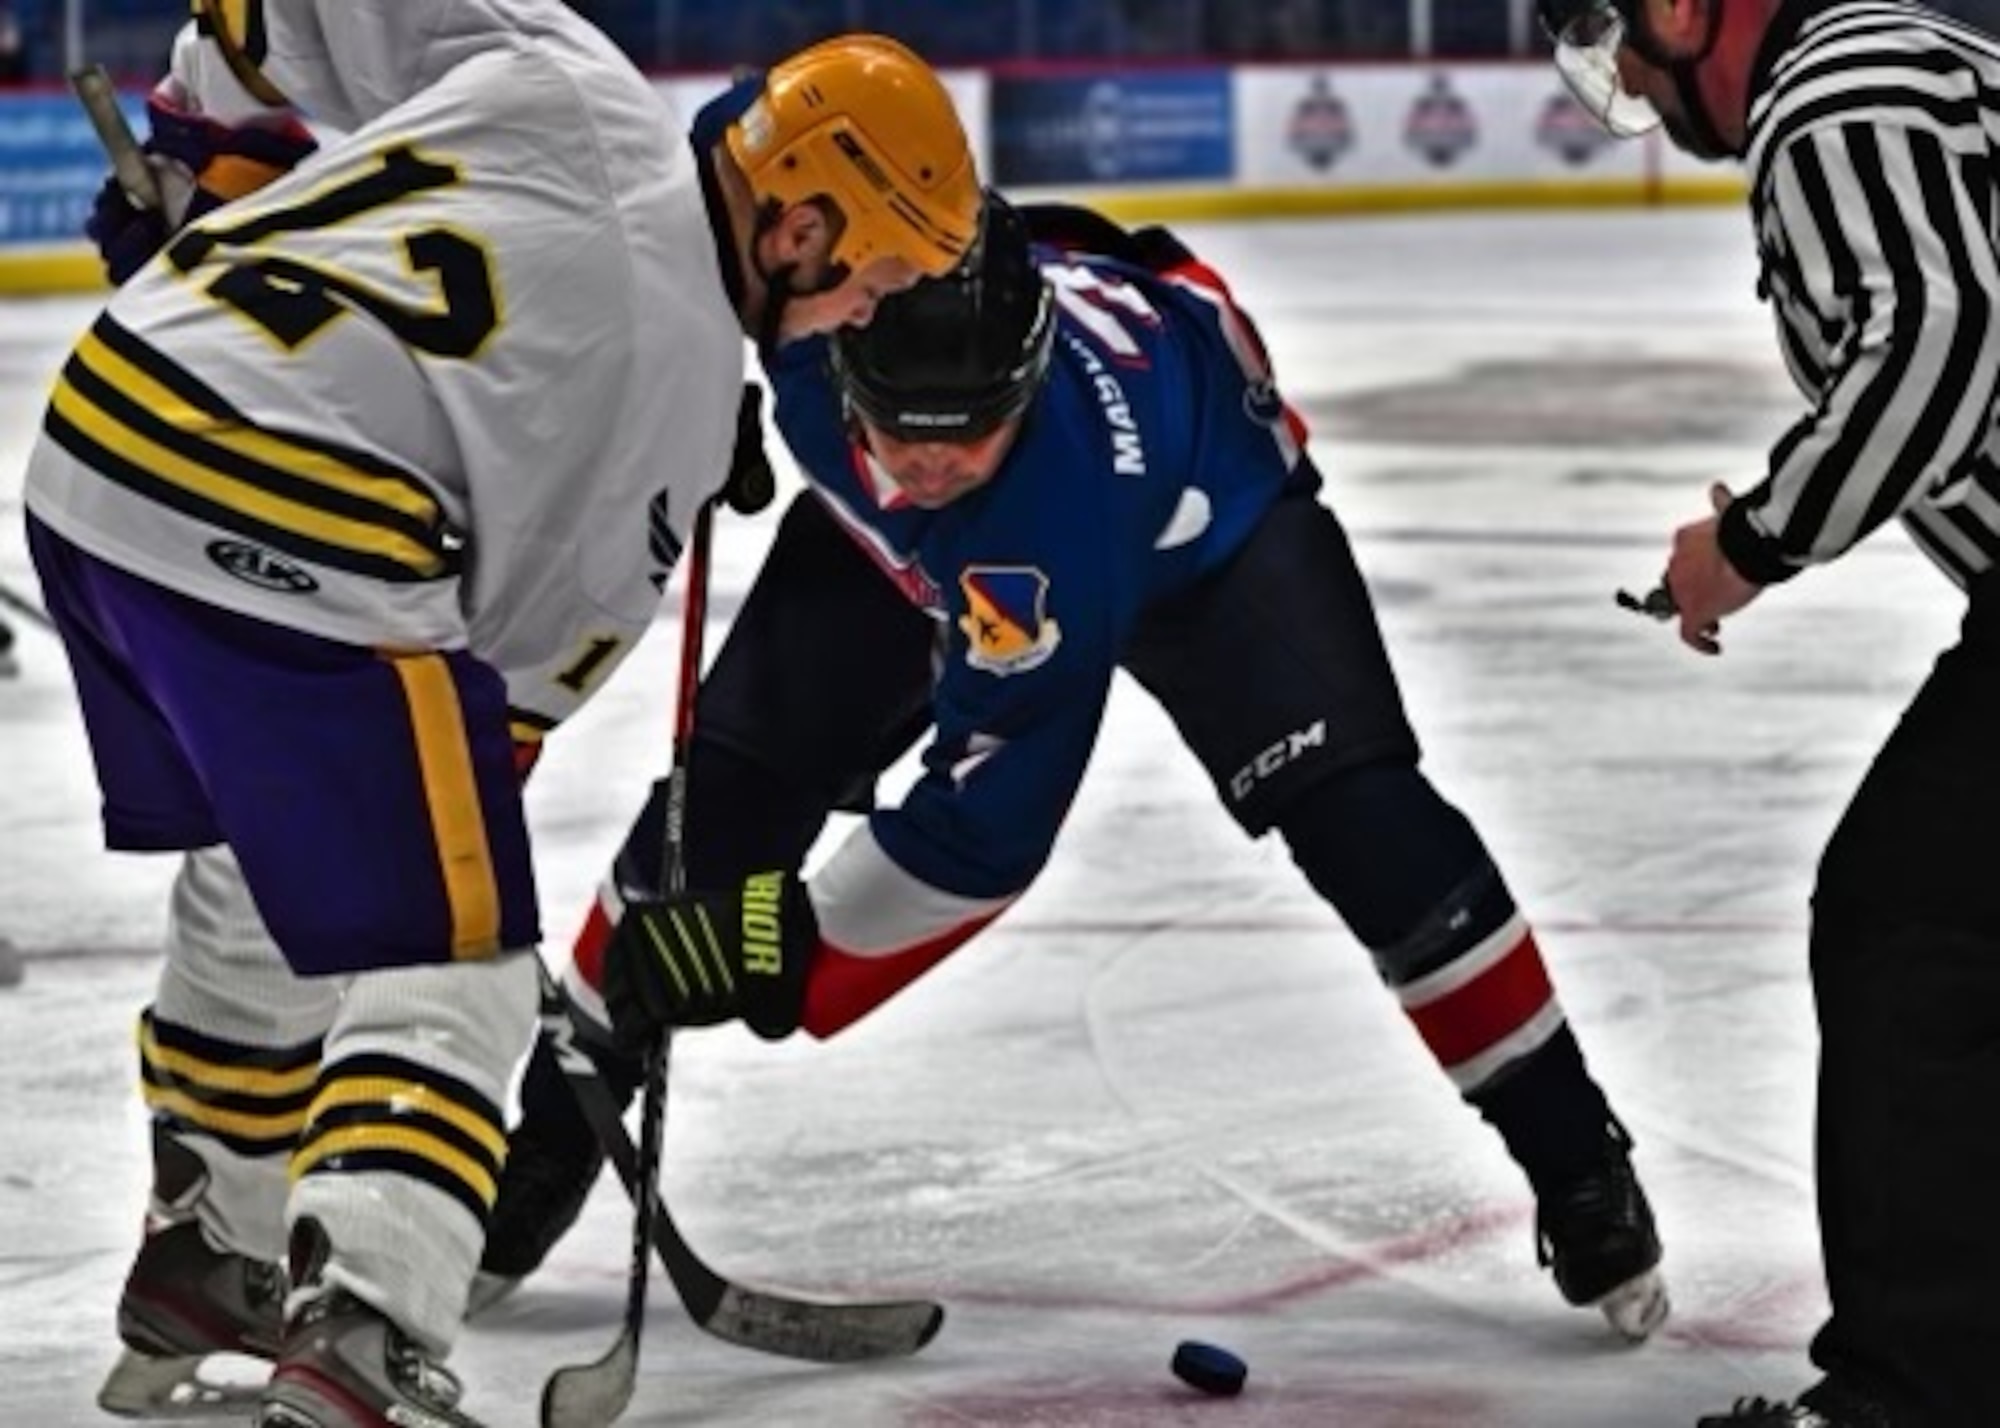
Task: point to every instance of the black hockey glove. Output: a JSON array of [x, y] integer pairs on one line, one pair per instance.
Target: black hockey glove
[[202, 164], [699, 958]]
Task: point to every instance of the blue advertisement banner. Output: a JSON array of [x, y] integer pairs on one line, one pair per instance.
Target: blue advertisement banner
[[1114, 127], [51, 166]]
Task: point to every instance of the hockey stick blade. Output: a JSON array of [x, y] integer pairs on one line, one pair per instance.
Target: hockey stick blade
[[821, 1331], [592, 1395], [817, 1331]]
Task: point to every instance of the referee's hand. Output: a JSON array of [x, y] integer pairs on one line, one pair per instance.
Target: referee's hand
[[1706, 587]]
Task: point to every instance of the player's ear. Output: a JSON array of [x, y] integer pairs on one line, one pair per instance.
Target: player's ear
[[804, 235]]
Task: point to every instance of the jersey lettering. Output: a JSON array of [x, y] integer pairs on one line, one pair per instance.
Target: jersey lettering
[[578, 676], [294, 301], [1102, 305]]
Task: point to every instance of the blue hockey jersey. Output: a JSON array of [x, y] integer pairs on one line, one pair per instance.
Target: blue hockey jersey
[[1155, 447]]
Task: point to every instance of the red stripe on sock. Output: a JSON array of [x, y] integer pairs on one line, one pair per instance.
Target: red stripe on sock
[[1488, 1009], [588, 953]]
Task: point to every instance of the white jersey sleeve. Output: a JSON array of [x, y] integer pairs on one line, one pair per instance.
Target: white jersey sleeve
[[461, 381]]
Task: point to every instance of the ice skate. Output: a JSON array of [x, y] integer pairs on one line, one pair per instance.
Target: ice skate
[[1827, 1406], [345, 1365], [1597, 1234], [542, 1192], [187, 1303]]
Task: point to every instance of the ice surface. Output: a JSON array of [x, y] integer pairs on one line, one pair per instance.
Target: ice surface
[[1166, 1097]]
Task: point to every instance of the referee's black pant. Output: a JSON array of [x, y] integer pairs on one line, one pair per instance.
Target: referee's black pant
[[1906, 976]]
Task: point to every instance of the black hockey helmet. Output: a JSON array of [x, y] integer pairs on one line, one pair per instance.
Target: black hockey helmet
[[952, 358]]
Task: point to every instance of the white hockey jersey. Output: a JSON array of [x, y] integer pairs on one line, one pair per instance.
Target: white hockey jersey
[[459, 381]]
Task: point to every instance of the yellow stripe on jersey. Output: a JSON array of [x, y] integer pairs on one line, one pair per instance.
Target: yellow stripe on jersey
[[232, 434], [458, 821], [135, 419], [212, 486], [238, 29]]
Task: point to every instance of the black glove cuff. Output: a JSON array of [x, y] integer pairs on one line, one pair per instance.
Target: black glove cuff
[[774, 1002]]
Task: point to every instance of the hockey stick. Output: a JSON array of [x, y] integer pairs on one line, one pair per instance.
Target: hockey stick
[[99, 98], [595, 1394], [592, 1395], [26, 608]]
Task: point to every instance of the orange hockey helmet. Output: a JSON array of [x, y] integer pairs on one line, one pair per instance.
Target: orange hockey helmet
[[863, 121]]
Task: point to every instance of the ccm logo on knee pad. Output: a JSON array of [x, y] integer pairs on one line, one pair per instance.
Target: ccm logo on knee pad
[[1286, 750]]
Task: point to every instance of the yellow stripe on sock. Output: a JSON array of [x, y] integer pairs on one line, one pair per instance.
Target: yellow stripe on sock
[[413, 1098]]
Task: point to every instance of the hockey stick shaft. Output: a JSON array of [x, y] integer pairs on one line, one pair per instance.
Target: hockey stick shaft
[[673, 879], [595, 1394], [21, 605], [99, 98]]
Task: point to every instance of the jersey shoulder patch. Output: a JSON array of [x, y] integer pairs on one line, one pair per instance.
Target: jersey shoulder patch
[[1007, 627]]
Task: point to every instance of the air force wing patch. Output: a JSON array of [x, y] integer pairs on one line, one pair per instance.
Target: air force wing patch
[[1006, 624]]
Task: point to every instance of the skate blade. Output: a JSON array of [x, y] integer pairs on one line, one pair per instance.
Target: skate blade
[[183, 1386], [488, 1290], [1638, 1306]]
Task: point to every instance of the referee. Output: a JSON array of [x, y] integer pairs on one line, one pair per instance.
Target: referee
[[1867, 130]]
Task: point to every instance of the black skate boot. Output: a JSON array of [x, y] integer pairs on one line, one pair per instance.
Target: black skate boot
[[186, 1300], [1826, 1406], [553, 1160], [1597, 1234], [346, 1366]]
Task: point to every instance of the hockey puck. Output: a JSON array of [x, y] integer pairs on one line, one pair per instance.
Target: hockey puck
[[12, 966], [1210, 1369]]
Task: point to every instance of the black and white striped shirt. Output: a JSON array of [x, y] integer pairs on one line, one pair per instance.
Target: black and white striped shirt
[[1873, 158]]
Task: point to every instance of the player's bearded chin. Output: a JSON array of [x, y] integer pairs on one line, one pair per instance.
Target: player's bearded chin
[[782, 288], [778, 292]]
